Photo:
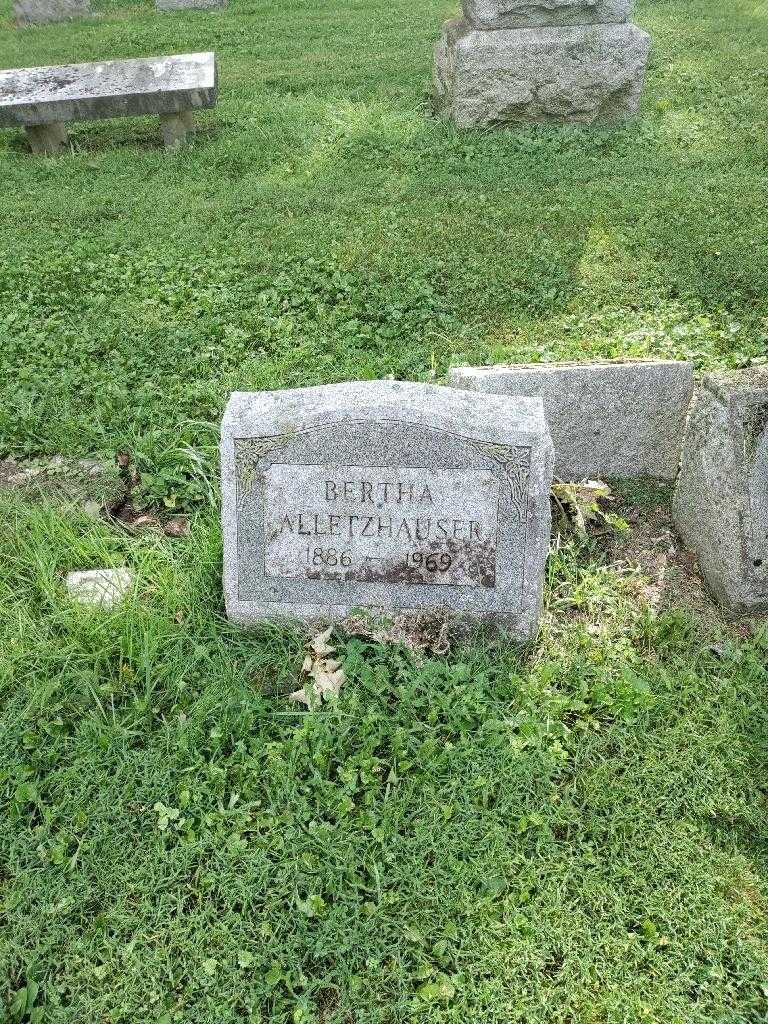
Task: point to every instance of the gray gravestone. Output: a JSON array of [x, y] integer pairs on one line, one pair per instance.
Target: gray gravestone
[[190, 5], [615, 418], [39, 12], [572, 73], [42, 100], [492, 14], [392, 497], [721, 501]]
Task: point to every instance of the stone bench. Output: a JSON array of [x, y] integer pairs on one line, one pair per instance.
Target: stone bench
[[43, 100]]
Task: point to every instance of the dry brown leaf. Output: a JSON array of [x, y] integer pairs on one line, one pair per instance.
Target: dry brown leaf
[[300, 697], [320, 645], [145, 520], [326, 676], [327, 682], [177, 526]]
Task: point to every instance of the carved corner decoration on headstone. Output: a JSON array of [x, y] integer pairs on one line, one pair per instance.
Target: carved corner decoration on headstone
[[721, 501], [389, 497], [508, 61]]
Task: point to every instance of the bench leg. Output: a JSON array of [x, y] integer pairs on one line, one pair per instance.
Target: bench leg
[[175, 127], [47, 139]]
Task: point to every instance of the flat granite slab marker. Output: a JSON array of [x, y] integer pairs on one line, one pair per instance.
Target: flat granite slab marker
[[393, 497], [721, 500], [173, 87], [609, 418], [190, 5]]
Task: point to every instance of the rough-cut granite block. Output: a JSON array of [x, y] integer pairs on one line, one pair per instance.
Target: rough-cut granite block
[[110, 88], [721, 501], [578, 73], [190, 5], [493, 14], [392, 497], [616, 418], [38, 12]]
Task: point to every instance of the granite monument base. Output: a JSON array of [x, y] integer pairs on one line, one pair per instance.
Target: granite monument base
[[574, 73]]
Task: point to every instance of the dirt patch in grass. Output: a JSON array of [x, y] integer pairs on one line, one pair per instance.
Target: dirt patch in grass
[[652, 545], [101, 489], [90, 483]]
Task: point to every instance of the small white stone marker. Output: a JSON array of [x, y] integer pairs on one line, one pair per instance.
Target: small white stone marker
[[100, 588]]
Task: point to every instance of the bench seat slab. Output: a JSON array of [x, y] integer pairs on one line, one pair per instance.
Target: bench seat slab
[[112, 88]]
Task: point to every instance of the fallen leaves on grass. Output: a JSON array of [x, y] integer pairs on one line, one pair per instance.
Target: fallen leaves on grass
[[176, 526], [324, 674], [145, 521]]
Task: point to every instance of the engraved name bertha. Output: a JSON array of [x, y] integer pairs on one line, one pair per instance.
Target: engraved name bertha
[[375, 525]]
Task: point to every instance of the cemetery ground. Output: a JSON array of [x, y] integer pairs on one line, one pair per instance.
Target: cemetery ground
[[572, 833]]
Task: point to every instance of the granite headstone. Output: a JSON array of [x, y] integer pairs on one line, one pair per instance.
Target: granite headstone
[[609, 418], [493, 14], [39, 12], [721, 501], [389, 497]]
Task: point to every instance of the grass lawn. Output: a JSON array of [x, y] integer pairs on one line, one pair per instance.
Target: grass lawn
[[573, 834]]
